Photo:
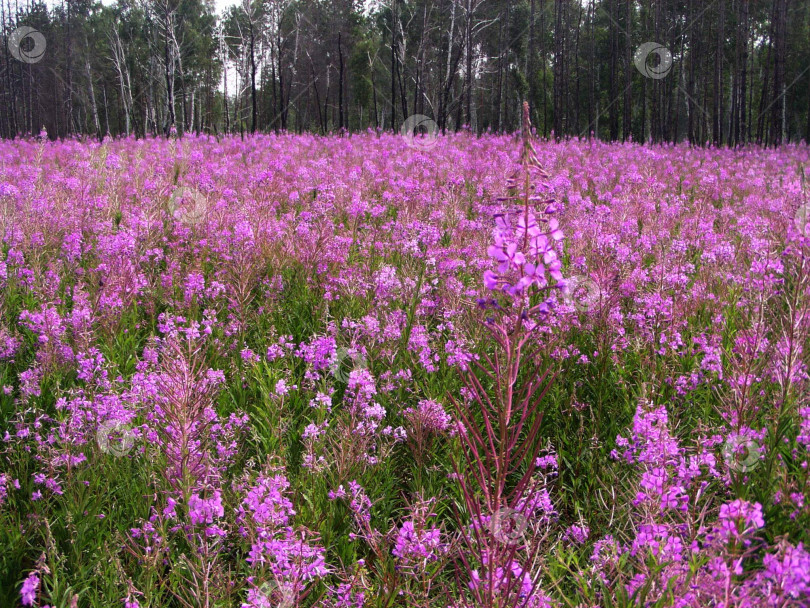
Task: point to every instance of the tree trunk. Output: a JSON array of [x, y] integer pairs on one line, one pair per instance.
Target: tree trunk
[[717, 126], [778, 104], [254, 103], [613, 74], [558, 70], [340, 86], [468, 77], [744, 75], [394, 18], [169, 66], [92, 94], [627, 132]]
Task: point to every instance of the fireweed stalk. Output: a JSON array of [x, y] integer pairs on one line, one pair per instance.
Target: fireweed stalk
[[766, 383], [499, 428], [184, 416], [197, 447], [788, 373]]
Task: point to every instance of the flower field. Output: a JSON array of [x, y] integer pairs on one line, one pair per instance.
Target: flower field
[[291, 370]]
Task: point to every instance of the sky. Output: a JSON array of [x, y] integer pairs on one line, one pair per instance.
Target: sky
[[220, 5]]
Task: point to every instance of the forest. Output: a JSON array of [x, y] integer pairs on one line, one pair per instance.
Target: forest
[[721, 72]]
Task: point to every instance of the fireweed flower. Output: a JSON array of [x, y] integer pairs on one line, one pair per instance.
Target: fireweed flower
[[426, 421], [501, 583], [346, 595], [205, 510], [786, 575], [577, 534], [29, 589], [360, 505], [430, 416], [738, 519], [3, 488], [417, 545], [266, 515], [525, 234], [525, 256]]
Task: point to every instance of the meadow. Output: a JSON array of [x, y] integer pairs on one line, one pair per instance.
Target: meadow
[[293, 370]]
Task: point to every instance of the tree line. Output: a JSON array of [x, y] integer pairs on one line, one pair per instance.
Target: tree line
[[726, 72]]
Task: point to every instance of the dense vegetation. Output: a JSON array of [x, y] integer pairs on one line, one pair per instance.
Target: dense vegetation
[[381, 371]]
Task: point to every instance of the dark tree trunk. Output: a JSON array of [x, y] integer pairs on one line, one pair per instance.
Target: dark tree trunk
[[627, 132], [744, 135], [341, 118], [558, 70], [394, 67], [254, 103], [778, 104], [169, 75], [468, 77], [613, 73], [717, 123], [531, 65]]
